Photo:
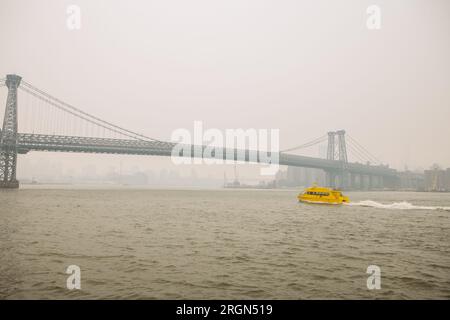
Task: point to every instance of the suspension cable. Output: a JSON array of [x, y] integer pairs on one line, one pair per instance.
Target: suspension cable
[[106, 123], [364, 150], [308, 144], [356, 153], [364, 154], [77, 115]]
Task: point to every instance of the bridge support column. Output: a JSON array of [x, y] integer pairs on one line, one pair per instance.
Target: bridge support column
[[330, 179], [352, 181], [337, 179], [357, 184], [345, 182], [8, 136], [363, 184], [376, 182], [381, 182]]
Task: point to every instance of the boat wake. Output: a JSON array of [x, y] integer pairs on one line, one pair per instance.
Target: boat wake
[[396, 205]]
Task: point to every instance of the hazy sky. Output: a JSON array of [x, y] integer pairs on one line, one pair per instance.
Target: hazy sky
[[302, 67]]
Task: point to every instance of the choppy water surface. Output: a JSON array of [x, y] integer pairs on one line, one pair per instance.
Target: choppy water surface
[[231, 244]]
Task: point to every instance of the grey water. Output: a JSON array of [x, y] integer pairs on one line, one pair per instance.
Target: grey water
[[221, 244]]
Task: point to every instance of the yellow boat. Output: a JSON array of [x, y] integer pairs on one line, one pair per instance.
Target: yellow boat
[[323, 195]]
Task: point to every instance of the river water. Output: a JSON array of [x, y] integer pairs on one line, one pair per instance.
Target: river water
[[222, 244]]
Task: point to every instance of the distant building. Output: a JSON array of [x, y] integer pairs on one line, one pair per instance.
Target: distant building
[[294, 176], [299, 177], [437, 179], [411, 181], [447, 179]]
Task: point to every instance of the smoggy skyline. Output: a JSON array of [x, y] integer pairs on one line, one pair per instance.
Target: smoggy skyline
[[303, 68]]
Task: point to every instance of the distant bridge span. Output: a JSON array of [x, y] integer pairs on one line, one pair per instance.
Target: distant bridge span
[[117, 140], [38, 142]]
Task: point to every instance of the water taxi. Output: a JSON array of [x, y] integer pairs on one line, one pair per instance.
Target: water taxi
[[323, 195]]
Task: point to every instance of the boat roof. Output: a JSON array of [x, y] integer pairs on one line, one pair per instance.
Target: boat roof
[[321, 189]]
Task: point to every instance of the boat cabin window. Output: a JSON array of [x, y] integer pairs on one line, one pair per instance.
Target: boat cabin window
[[318, 193]]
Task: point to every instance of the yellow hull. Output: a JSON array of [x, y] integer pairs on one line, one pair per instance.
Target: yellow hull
[[319, 202], [320, 195]]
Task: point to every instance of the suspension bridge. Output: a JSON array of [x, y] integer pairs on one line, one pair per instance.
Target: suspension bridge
[[46, 123]]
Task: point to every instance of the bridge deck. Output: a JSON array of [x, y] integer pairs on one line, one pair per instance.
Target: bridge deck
[[38, 142]]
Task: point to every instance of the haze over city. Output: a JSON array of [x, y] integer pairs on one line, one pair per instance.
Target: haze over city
[[303, 68]]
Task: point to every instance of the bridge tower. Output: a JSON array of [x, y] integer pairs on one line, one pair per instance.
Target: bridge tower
[[331, 149], [331, 145], [337, 151], [8, 136], [342, 157]]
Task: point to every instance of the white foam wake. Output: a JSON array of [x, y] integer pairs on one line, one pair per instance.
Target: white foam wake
[[396, 205]]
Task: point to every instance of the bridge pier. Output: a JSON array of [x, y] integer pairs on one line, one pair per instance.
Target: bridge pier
[[362, 182], [8, 136], [343, 180], [334, 179], [352, 181], [338, 179], [380, 182], [330, 179], [376, 182], [358, 181]]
